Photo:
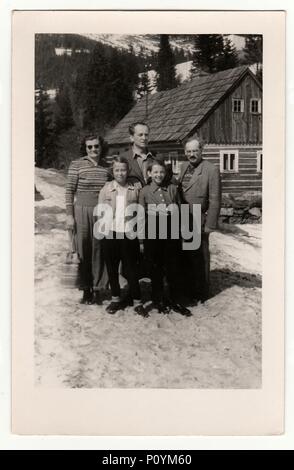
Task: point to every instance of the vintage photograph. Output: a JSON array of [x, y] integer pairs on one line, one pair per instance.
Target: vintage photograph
[[169, 125]]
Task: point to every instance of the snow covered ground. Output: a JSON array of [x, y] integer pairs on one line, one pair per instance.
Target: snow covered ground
[[80, 346]]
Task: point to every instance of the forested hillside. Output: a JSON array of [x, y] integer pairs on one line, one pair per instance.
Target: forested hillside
[[83, 85], [50, 67]]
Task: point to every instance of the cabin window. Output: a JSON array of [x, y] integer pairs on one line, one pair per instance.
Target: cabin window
[[173, 161], [255, 106], [238, 105], [259, 161], [170, 156], [229, 161], [173, 155]]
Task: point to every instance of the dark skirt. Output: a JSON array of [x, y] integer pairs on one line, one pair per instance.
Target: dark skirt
[[93, 272]]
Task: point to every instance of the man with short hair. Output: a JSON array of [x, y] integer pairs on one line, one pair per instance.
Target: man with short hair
[[138, 156], [200, 184]]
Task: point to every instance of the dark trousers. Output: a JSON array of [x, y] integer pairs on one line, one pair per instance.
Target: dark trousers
[[162, 260], [196, 270], [127, 251]]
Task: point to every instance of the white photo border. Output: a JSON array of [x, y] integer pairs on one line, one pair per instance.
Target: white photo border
[[221, 423]]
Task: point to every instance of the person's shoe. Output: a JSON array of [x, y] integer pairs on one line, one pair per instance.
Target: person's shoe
[[179, 308], [199, 297], [113, 307], [126, 301], [161, 307], [140, 310], [203, 298], [87, 297], [96, 298]]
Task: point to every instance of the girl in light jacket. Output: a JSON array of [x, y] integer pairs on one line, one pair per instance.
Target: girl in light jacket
[[117, 244]]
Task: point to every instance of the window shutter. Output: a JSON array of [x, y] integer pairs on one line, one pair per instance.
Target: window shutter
[[259, 106], [221, 162], [242, 106], [237, 160], [252, 105], [259, 161]]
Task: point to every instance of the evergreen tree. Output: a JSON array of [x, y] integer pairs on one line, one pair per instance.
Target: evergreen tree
[[213, 53], [166, 74], [45, 61], [109, 88], [131, 49], [253, 53], [259, 73], [145, 86], [79, 93], [228, 58], [253, 49], [64, 115], [179, 55], [151, 61], [119, 88], [130, 67], [189, 55], [208, 50], [95, 88], [45, 135]]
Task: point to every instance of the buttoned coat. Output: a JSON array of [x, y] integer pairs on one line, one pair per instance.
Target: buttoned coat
[[204, 188]]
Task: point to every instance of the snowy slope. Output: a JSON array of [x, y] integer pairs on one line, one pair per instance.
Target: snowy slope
[[147, 43]]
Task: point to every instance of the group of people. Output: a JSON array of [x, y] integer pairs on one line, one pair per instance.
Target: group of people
[[106, 243]]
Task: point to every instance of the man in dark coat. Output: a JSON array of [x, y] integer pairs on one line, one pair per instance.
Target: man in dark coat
[[200, 184], [138, 155]]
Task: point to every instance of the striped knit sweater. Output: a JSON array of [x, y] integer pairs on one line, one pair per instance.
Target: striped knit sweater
[[84, 177]]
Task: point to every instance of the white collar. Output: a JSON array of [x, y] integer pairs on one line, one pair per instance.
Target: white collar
[[116, 186]]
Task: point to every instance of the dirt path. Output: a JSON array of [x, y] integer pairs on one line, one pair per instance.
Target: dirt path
[[82, 346]]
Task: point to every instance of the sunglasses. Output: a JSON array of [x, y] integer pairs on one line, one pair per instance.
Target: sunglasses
[[96, 146]]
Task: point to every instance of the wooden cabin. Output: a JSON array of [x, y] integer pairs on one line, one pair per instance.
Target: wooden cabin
[[224, 108]]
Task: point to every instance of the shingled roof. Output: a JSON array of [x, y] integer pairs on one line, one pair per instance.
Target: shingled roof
[[174, 114]]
